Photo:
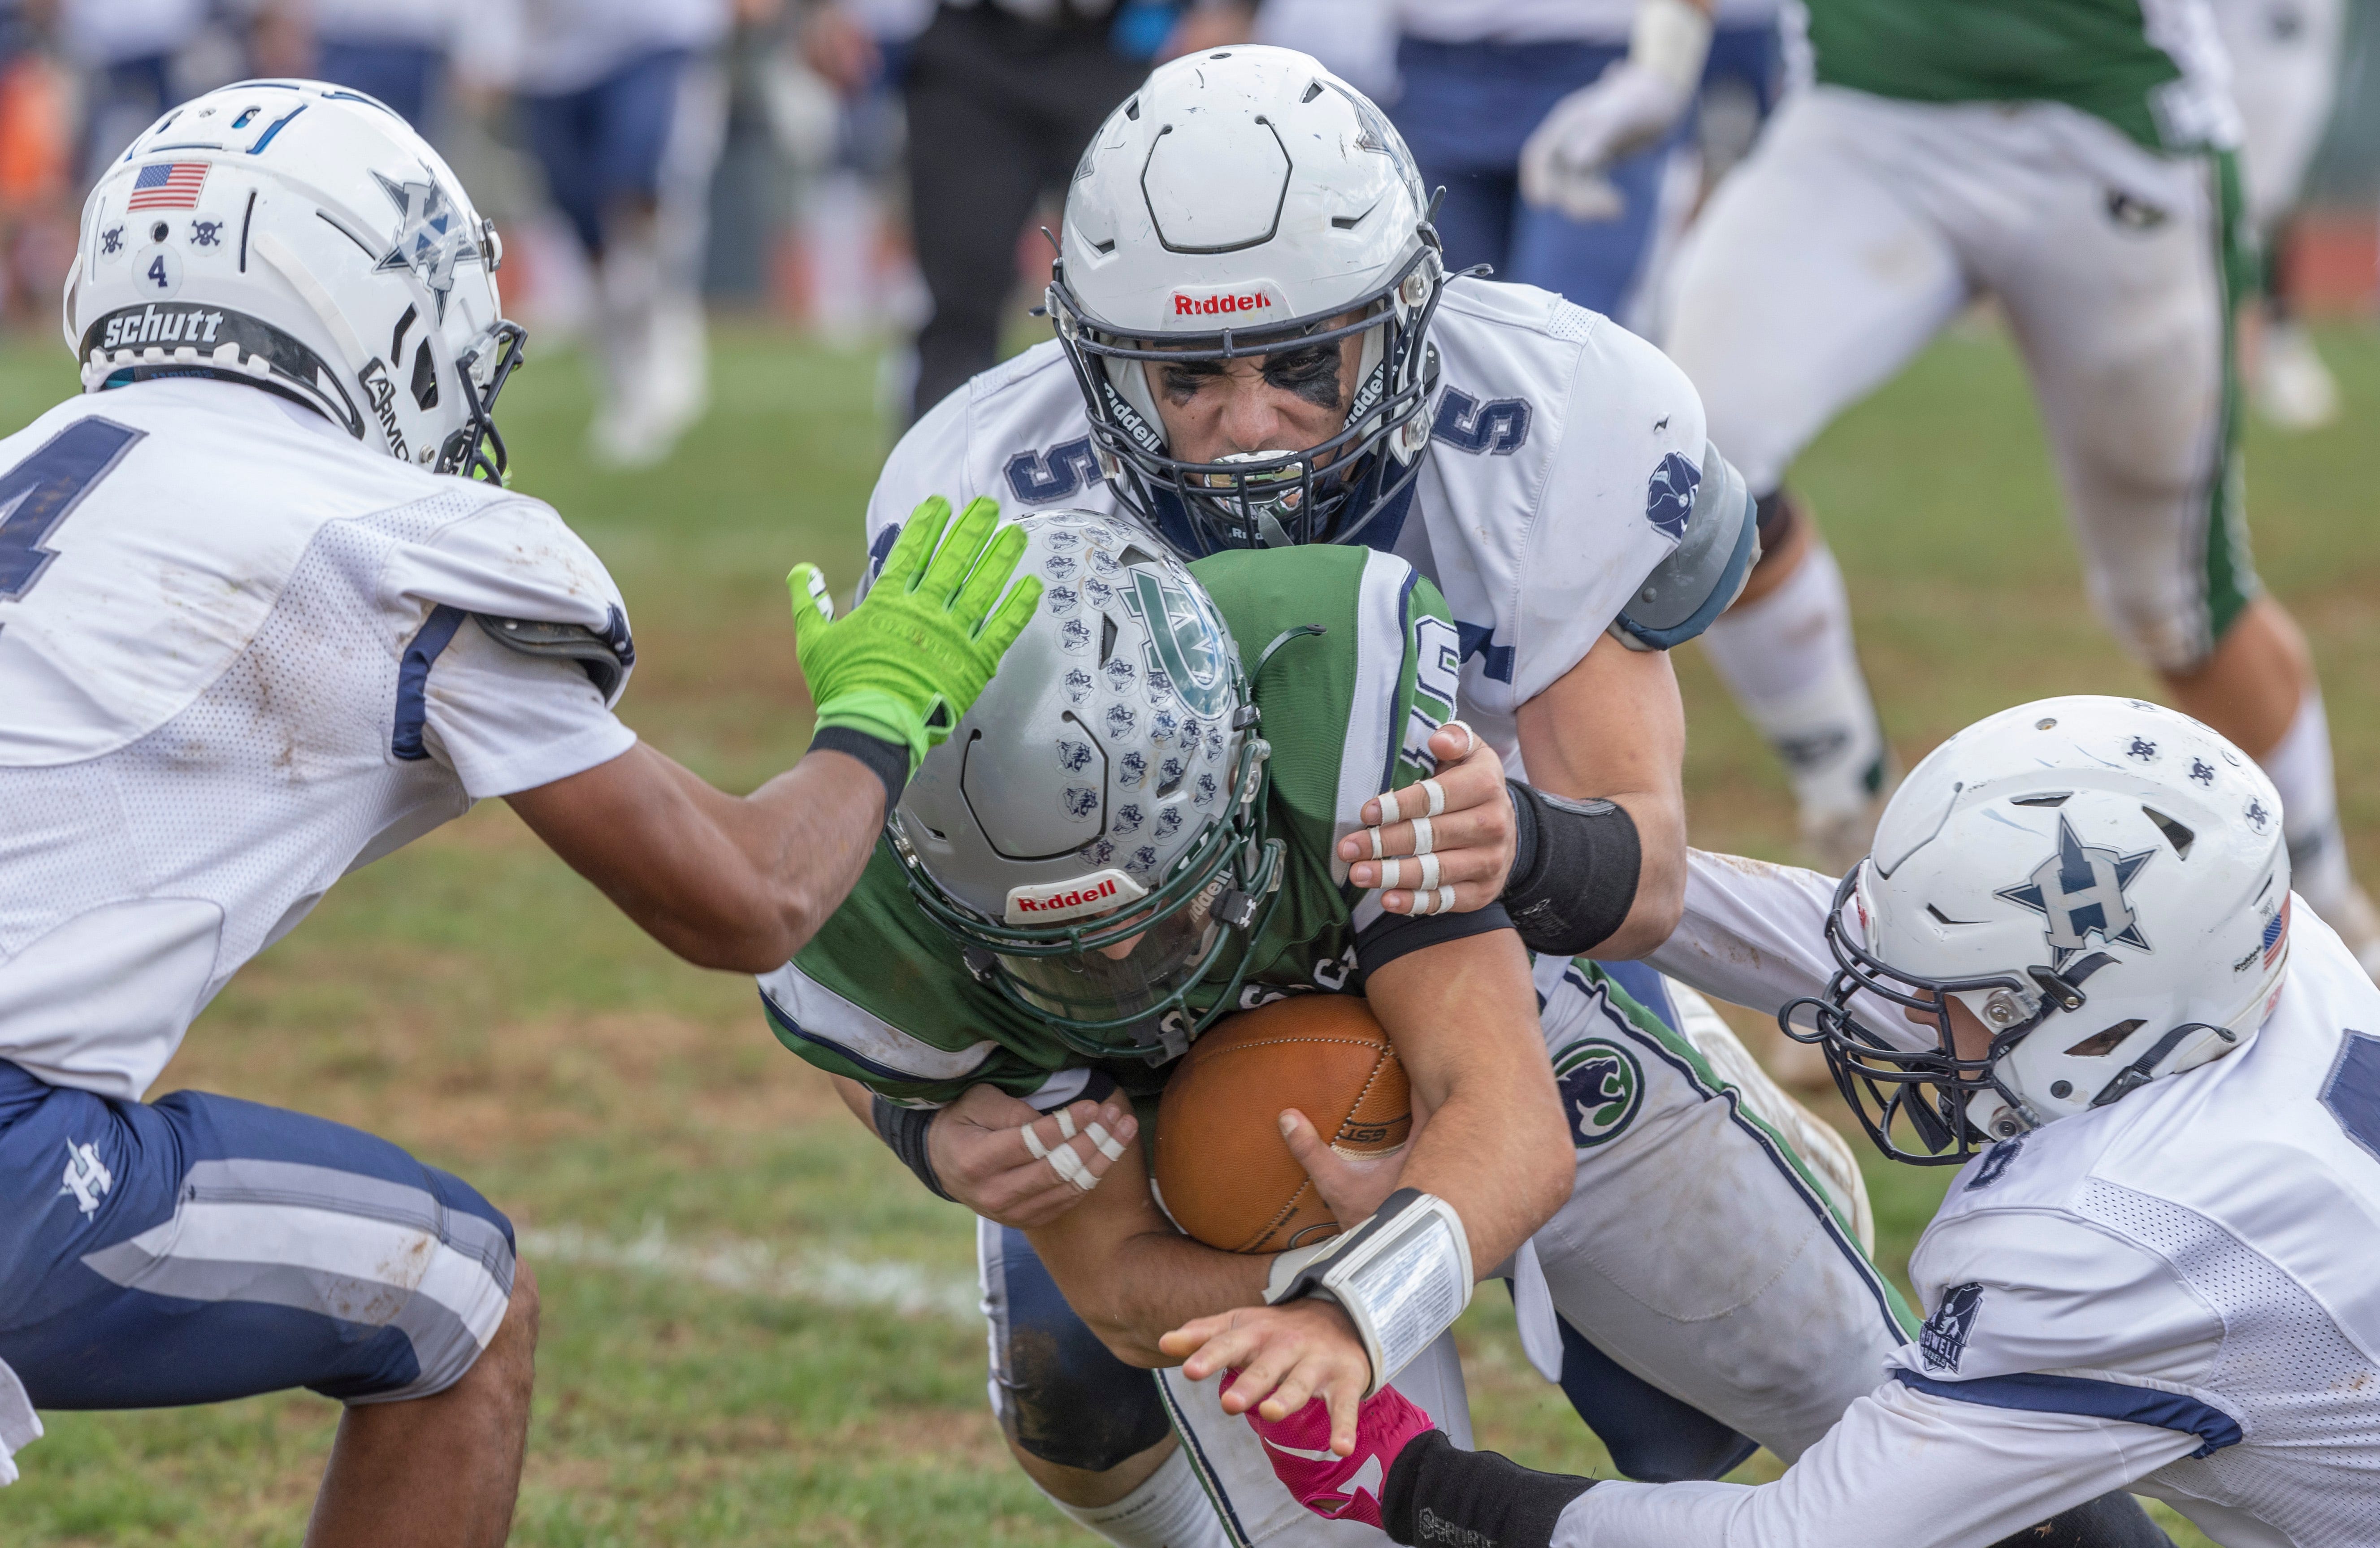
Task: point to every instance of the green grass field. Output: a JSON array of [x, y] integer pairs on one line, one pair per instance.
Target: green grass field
[[758, 1327]]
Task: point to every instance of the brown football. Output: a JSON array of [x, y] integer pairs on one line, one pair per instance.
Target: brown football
[[1223, 1172]]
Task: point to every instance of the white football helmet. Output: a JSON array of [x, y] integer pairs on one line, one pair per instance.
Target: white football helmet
[[1092, 833], [1242, 204], [301, 237], [2102, 882]]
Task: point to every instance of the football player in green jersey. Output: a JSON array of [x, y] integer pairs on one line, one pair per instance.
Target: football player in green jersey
[[2075, 160], [1132, 834]]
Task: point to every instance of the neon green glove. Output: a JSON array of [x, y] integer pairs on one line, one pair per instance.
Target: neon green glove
[[905, 665]]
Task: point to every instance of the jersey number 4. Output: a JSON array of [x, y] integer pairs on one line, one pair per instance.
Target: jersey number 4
[[43, 490]]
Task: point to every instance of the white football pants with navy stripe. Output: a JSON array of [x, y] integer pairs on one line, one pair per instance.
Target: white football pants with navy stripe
[[199, 1248], [1704, 1289]]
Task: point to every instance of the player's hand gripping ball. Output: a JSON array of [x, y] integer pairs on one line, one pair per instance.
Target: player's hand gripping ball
[[1223, 1172], [905, 665]]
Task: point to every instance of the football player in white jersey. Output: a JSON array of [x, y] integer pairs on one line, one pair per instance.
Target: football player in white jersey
[[1257, 345], [2072, 962], [259, 626]]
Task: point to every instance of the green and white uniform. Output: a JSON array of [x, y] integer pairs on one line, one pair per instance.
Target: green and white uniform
[[2073, 158], [1754, 1304]]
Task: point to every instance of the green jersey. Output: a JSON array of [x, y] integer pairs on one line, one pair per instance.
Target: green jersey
[[2151, 67], [881, 993]]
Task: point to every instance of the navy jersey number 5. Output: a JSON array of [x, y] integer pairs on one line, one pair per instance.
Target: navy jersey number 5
[[43, 490]]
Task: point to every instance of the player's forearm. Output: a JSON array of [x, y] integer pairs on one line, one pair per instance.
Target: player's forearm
[[1463, 1016], [1614, 727], [1752, 933], [1902, 1468], [1143, 1286], [724, 881]]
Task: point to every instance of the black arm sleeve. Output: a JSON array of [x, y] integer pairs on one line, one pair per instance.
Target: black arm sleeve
[[1392, 936], [886, 762], [1575, 869], [904, 1130]]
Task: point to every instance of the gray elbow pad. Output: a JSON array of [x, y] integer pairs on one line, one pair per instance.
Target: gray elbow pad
[[1705, 572], [607, 656]]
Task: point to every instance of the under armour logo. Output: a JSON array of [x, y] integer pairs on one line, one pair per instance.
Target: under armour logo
[[2080, 890], [87, 1176]]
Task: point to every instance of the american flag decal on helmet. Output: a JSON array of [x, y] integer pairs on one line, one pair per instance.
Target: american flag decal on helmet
[[2277, 932], [168, 185]]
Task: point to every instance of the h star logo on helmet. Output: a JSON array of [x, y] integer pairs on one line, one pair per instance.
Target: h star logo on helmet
[[1183, 638], [432, 235], [2080, 890]]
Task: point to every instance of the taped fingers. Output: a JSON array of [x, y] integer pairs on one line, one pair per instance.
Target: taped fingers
[[1064, 1159]]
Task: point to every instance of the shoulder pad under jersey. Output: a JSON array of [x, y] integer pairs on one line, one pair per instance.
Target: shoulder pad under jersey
[[607, 656], [1705, 572]]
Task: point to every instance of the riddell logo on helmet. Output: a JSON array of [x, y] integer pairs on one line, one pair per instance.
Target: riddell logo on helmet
[[1095, 894], [1227, 302]]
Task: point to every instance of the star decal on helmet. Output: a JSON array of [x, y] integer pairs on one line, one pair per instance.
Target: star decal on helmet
[[2080, 891], [432, 237]]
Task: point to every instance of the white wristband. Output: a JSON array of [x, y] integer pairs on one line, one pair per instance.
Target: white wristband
[[1671, 39], [1402, 1277]]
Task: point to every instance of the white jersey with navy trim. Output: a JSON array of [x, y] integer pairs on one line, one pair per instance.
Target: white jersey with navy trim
[[2171, 1294], [1560, 472], [237, 660]]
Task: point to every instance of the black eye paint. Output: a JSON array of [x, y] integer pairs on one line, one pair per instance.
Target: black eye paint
[[1312, 374]]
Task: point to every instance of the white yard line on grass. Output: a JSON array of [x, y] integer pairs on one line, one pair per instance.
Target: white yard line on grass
[[756, 1268]]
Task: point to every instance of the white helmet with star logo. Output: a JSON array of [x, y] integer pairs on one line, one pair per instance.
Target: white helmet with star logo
[[2101, 882], [301, 237]]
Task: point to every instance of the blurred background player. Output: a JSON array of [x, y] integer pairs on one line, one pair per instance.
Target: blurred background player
[[398, 50], [624, 106], [2077, 163], [1003, 96], [2284, 61], [1493, 95]]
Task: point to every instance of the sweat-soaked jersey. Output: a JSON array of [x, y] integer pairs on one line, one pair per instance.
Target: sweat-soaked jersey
[[1564, 457], [879, 993]]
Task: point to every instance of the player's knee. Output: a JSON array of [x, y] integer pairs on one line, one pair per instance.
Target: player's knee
[[1092, 1488]]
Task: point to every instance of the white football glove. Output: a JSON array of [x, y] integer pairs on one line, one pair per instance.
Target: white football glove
[[1566, 163]]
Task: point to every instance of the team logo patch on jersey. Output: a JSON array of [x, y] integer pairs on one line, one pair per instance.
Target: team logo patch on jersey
[[2080, 891], [1670, 495], [1602, 1085], [1943, 1337]]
